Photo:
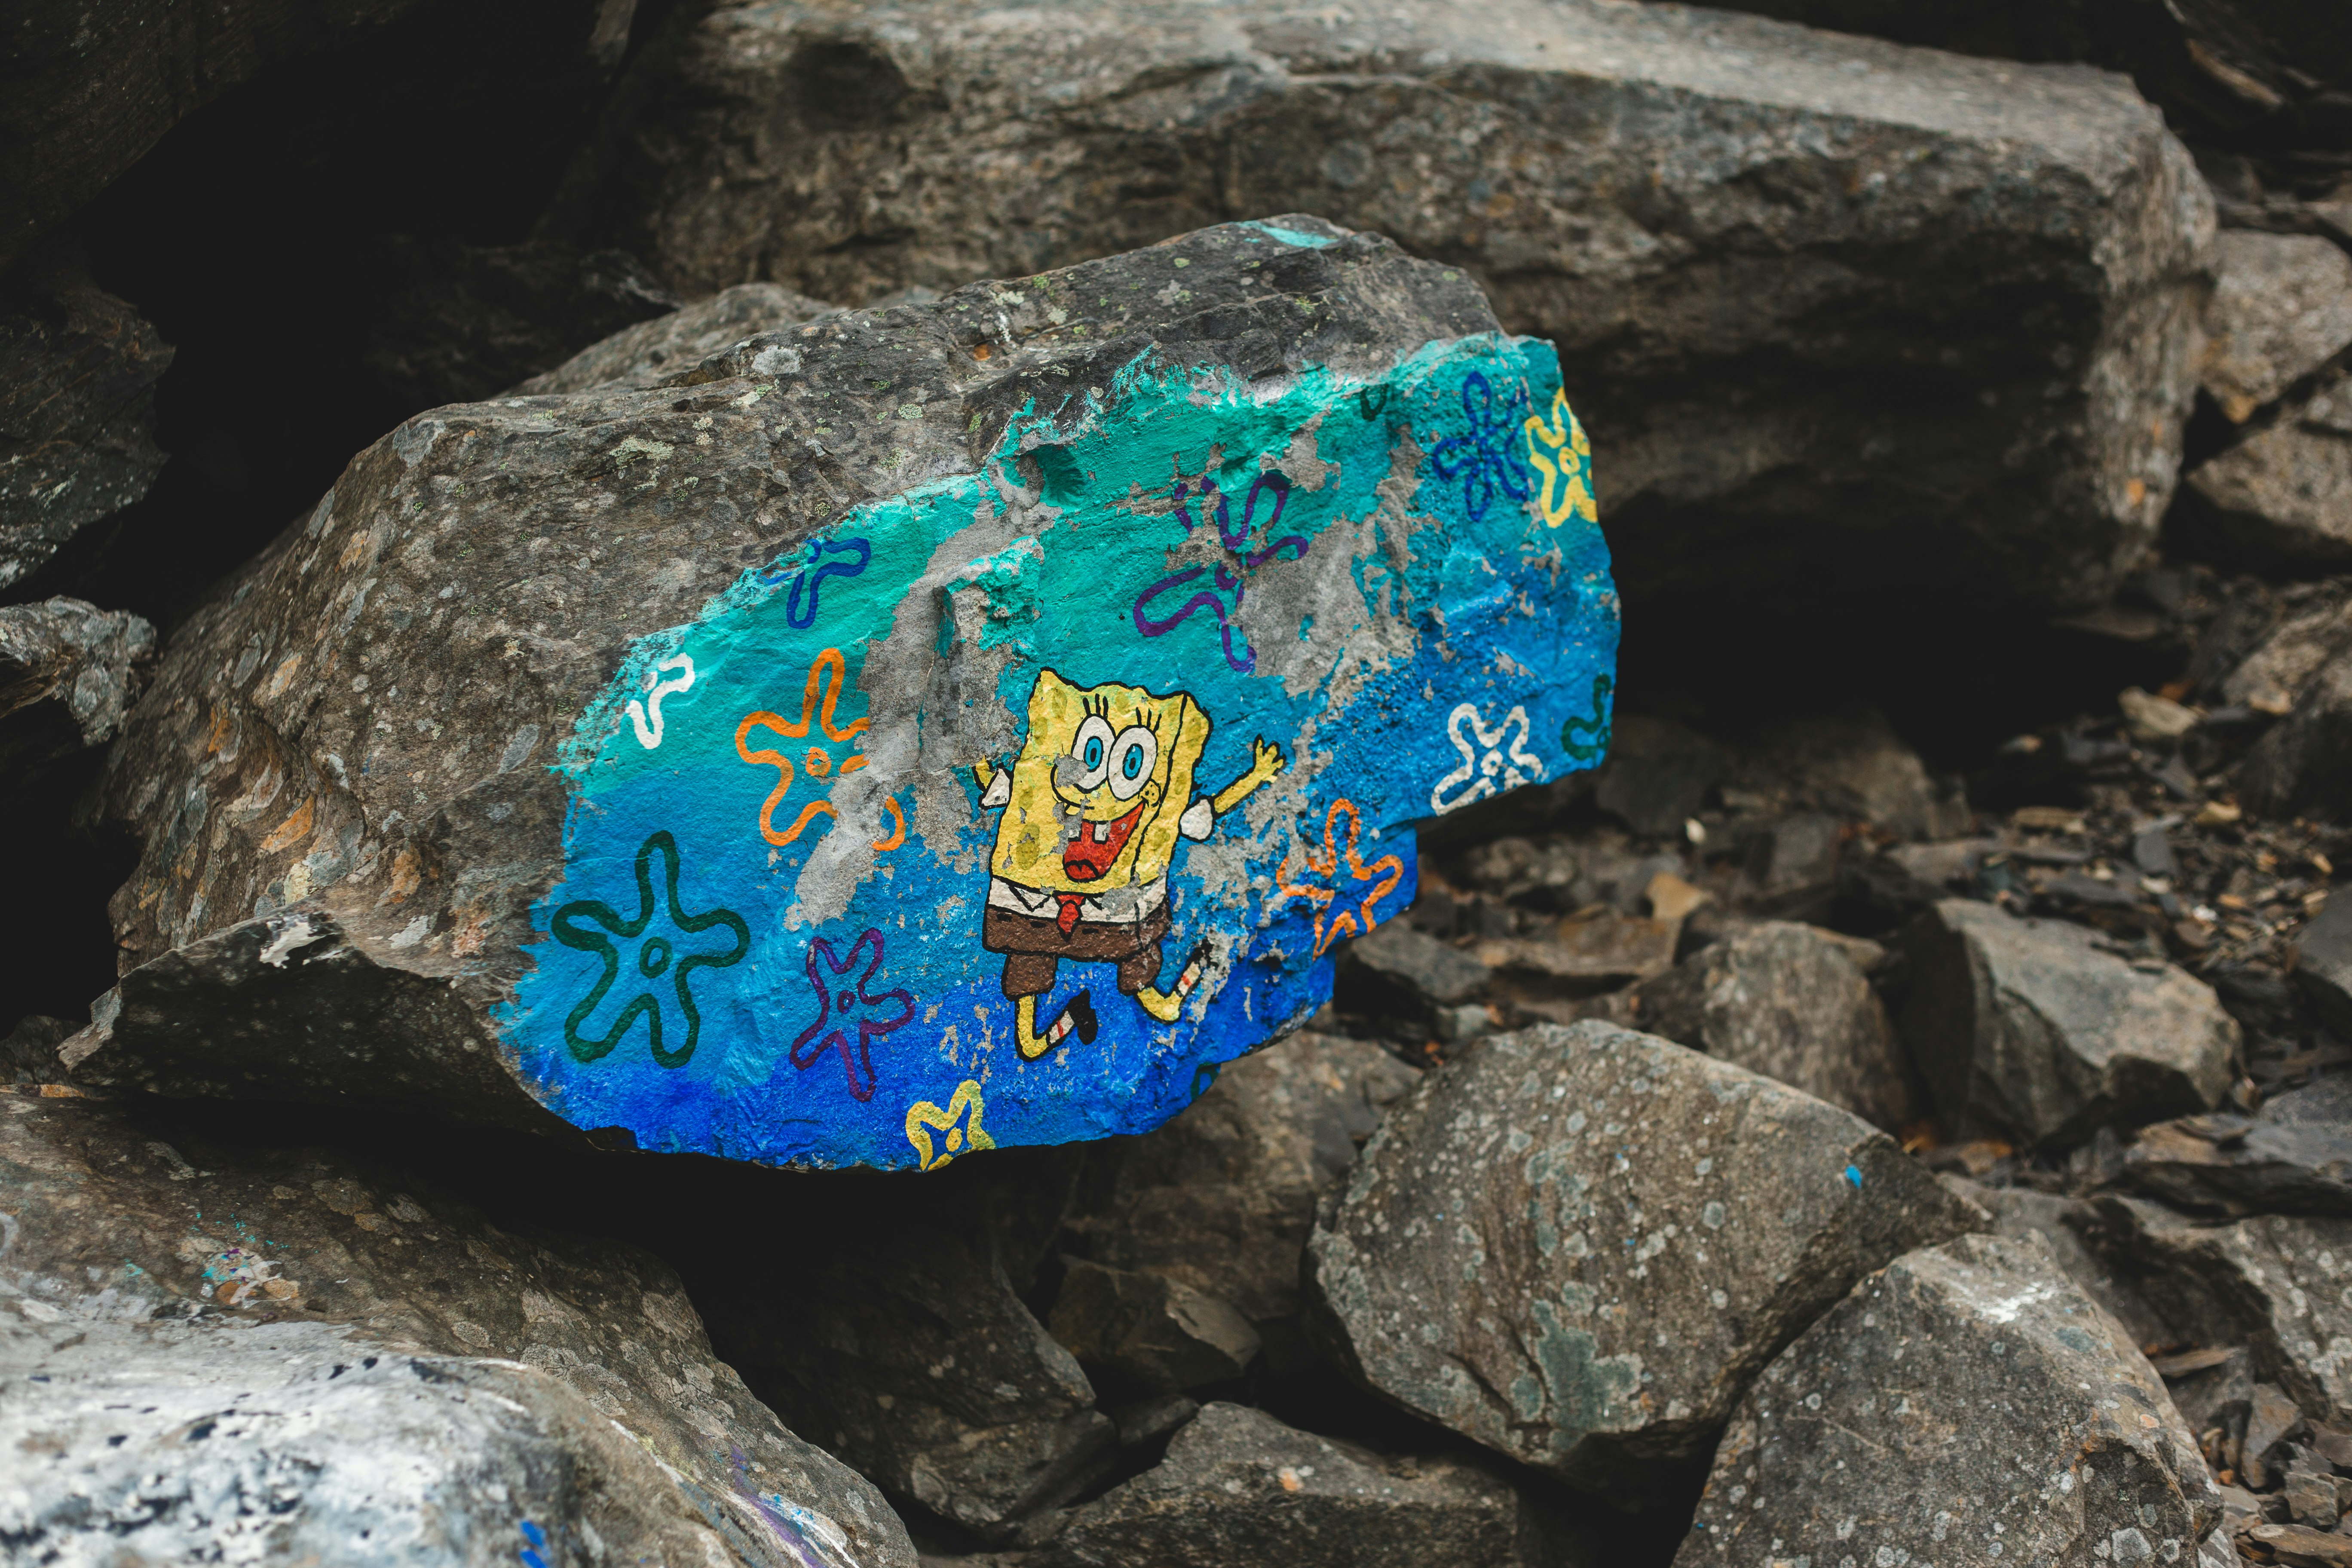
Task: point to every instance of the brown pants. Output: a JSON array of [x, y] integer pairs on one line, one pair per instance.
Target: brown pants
[[1034, 949]]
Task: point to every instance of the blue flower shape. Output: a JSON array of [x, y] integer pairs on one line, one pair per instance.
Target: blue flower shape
[[1484, 456], [853, 1003], [657, 956]]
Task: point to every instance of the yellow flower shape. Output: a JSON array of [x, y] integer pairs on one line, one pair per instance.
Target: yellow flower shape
[[1566, 467], [924, 1117]]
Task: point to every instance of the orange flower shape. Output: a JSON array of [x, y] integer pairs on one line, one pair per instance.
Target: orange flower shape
[[1345, 923], [831, 671]]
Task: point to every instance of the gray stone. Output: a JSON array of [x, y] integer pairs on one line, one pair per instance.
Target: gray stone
[[1670, 194], [2069, 1230], [2239, 1165], [907, 1353], [78, 374], [2302, 670], [2281, 497], [1148, 1333], [367, 732], [1787, 1001], [1239, 1486], [68, 673], [1222, 1199], [1658, 775], [1578, 1245], [1852, 766], [641, 356], [2281, 307], [1965, 1405], [2323, 967], [2033, 1029], [202, 1345], [1403, 974]]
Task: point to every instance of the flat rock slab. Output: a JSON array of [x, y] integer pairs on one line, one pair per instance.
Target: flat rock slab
[[1966, 1406], [2279, 497], [1239, 1486], [68, 674], [2033, 1029], [318, 1355], [2303, 669], [1577, 1245], [920, 730], [1670, 194]]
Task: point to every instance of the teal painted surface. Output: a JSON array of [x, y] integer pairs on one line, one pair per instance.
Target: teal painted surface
[[1010, 808]]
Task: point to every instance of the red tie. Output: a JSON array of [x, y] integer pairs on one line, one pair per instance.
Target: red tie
[[1068, 918]]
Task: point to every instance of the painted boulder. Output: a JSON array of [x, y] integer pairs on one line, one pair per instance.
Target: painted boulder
[[1096, 640]]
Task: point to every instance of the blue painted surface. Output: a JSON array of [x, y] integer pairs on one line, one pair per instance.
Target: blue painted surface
[[790, 818]]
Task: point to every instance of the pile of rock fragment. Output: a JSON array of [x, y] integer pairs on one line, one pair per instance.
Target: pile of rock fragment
[[1828, 1133]]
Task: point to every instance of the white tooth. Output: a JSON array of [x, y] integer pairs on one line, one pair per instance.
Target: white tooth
[[1102, 832]]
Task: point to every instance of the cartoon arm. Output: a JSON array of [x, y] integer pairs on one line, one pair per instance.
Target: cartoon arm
[[995, 786], [1202, 814]]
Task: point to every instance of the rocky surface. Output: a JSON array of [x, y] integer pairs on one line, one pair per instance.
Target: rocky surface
[[68, 674], [207, 1342], [1238, 1486], [2282, 309], [1964, 1405], [78, 374], [2278, 496], [1151, 1333], [1222, 1199], [1578, 1245], [1643, 185], [641, 355], [2323, 965], [1789, 1002], [2298, 673], [2034, 1029]]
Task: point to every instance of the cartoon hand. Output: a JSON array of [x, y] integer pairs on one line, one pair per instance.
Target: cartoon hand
[[1267, 761]]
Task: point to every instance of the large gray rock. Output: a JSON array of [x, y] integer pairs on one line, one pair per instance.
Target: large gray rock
[[204, 1345], [68, 674], [2072, 1230], [2302, 669], [1577, 1245], [1239, 1486], [2281, 307], [1743, 236], [2033, 1029], [356, 778], [1852, 766], [640, 356], [1966, 1405], [1789, 1002], [905, 1350], [1148, 1331], [78, 374], [2281, 497], [1222, 1199]]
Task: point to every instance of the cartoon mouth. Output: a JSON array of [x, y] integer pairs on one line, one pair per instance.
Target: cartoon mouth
[[1088, 857]]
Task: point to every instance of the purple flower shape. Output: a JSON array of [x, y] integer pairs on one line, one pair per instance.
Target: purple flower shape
[[841, 1004], [1232, 575]]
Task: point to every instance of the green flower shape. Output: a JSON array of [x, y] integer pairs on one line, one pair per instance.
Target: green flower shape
[[657, 955]]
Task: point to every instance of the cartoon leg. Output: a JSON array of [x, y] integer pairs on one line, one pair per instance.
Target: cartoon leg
[[1165, 1005], [1078, 1014]]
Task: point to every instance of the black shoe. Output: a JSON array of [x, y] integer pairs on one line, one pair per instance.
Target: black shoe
[[1081, 1011]]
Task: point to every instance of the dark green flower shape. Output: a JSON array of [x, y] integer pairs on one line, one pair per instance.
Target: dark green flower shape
[[656, 955]]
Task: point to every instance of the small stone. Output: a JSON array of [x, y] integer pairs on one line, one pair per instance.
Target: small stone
[[2281, 307], [1238, 1486], [2239, 1165], [1788, 1001], [2311, 1497], [1576, 1244], [1604, 945], [1657, 774], [1150, 1333], [1671, 898], [2030, 1029], [2272, 1418], [2324, 961], [2279, 497], [2154, 717], [2301, 1546], [1404, 972], [1971, 1372]]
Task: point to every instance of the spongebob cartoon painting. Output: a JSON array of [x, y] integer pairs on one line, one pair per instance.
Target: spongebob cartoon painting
[[1093, 808]]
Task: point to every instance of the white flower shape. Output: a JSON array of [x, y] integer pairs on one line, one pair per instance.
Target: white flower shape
[[1499, 761]]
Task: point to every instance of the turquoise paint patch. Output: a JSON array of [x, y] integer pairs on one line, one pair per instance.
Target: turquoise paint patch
[[1292, 236], [1037, 793]]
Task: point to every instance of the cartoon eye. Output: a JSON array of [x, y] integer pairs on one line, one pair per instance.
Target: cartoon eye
[[1092, 747], [1132, 756]]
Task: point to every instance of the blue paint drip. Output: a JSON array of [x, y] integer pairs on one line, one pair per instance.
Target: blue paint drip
[[1854, 1175], [1291, 237]]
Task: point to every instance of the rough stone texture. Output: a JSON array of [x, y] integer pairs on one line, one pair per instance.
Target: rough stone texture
[[2324, 966], [1787, 1001], [1151, 1333], [2283, 496], [2032, 1028], [1239, 1486], [1965, 1405], [1222, 1199], [2278, 1284], [2240, 1166], [69, 672], [2281, 307], [344, 776], [1824, 288], [2072, 1231], [640, 356], [1402, 975], [1850, 766], [78, 374], [2302, 669], [1578, 1245], [302, 1353], [905, 1351]]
